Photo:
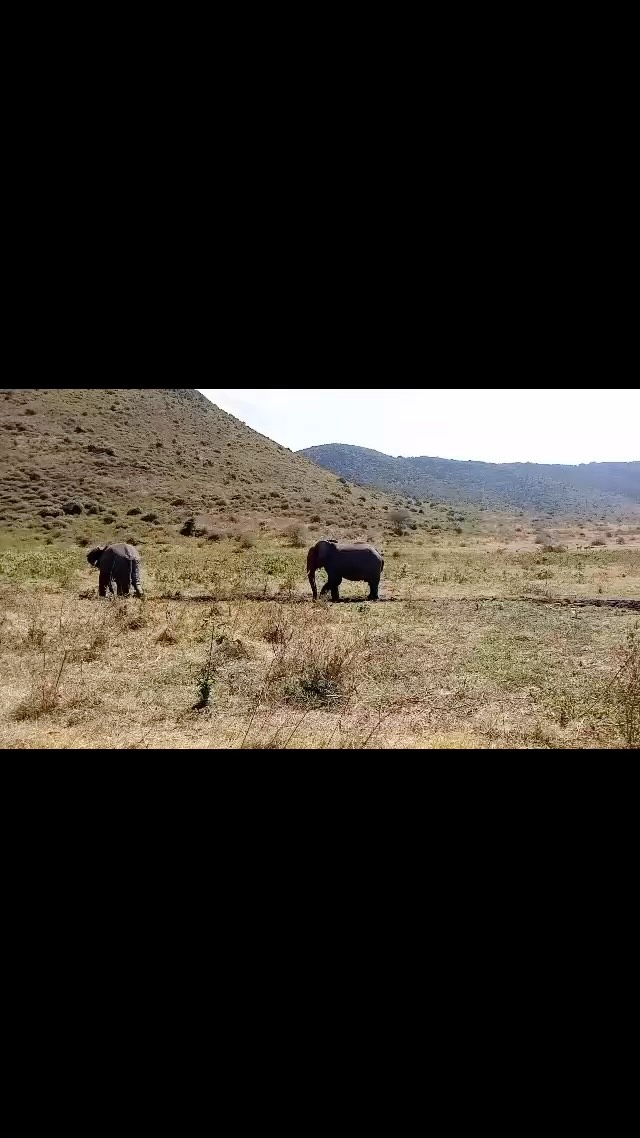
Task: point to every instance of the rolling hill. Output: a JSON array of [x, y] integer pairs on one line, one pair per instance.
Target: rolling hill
[[520, 485], [88, 464]]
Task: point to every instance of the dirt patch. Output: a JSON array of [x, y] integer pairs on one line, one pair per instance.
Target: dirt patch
[[601, 602]]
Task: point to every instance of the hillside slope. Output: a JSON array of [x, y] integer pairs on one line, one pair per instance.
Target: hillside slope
[[533, 486], [123, 455]]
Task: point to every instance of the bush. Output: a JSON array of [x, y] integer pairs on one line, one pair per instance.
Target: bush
[[100, 450], [188, 527], [108, 519], [134, 510], [178, 501], [247, 540], [298, 536], [29, 411], [316, 675], [597, 541], [398, 518], [152, 517], [72, 507]]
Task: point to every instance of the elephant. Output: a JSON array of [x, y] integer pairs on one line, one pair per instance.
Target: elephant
[[117, 563], [355, 561]]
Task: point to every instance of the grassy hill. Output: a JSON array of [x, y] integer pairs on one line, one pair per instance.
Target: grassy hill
[[520, 485], [135, 463]]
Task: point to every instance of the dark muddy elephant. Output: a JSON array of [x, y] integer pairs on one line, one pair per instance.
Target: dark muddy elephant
[[354, 561], [119, 565]]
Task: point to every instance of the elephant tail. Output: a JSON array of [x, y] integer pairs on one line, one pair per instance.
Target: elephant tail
[[381, 564]]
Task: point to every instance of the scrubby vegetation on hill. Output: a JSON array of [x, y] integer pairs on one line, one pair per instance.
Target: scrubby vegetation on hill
[[520, 485], [136, 464]]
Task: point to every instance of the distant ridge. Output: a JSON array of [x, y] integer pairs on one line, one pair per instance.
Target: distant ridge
[[517, 485]]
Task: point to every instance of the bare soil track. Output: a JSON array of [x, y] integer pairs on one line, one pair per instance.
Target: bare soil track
[[210, 598]]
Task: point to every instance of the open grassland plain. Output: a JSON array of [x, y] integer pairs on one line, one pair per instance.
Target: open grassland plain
[[472, 644]]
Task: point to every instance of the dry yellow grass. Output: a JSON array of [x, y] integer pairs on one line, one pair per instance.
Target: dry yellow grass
[[451, 656]]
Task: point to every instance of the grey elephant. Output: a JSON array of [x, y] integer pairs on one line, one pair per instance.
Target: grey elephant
[[355, 561], [118, 564]]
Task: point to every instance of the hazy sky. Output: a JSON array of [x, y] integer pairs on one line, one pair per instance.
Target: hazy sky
[[495, 426]]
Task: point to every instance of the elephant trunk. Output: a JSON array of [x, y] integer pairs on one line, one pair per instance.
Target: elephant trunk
[[311, 573]]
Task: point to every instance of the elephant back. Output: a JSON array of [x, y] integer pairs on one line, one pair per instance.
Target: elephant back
[[359, 547]]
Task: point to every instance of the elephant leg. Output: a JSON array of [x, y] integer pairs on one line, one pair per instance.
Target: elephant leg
[[373, 590], [324, 589], [334, 583], [104, 585]]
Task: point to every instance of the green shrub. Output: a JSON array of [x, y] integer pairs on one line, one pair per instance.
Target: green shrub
[[298, 535]]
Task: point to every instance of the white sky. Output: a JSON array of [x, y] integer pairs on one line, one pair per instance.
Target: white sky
[[492, 425]]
